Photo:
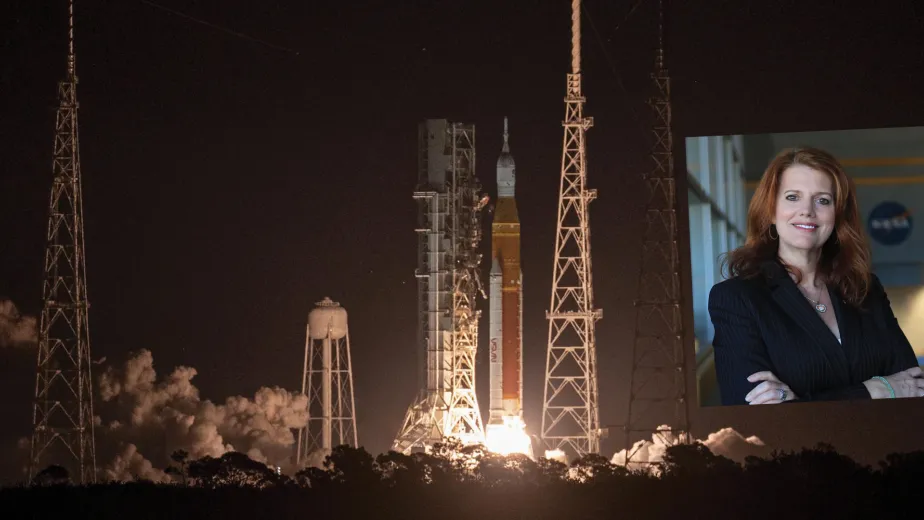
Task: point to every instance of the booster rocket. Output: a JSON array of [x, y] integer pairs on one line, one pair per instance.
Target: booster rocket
[[506, 297]]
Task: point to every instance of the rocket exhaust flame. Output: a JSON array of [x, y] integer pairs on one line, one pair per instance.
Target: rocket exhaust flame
[[509, 438]]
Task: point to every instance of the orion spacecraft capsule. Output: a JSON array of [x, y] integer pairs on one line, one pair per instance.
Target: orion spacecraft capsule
[[506, 297]]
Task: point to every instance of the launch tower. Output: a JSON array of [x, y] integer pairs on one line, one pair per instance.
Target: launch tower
[[658, 385], [328, 382], [570, 414], [449, 232], [62, 410]]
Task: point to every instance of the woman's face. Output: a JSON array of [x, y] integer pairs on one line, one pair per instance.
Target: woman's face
[[804, 208]]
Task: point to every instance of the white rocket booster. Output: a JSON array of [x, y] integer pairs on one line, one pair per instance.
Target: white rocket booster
[[496, 343]]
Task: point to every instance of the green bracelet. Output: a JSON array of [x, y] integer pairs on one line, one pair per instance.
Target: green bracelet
[[885, 382]]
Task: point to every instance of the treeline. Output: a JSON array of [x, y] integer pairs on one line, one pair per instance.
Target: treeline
[[469, 483]]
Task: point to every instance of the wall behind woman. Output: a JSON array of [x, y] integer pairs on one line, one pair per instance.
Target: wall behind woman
[[908, 305], [717, 209]]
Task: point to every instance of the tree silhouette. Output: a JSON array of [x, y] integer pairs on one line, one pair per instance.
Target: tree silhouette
[[400, 470], [596, 469], [693, 483], [352, 465], [231, 469], [901, 479], [314, 478], [503, 471], [821, 464], [445, 464], [180, 457], [903, 467], [800, 477], [551, 472], [53, 475], [696, 460]]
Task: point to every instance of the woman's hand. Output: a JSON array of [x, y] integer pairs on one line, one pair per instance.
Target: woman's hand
[[771, 391], [907, 383]]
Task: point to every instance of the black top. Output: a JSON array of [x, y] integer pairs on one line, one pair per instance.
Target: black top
[[765, 323]]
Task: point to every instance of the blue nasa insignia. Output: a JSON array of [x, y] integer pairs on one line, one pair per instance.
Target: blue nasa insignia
[[890, 223]]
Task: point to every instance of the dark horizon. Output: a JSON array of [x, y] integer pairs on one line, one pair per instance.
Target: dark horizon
[[229, 184]]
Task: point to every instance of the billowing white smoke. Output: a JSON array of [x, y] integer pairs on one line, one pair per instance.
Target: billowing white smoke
[[726, 442], [131, 465], [729, 443], [558, 455], [16, 330], [170, 415]]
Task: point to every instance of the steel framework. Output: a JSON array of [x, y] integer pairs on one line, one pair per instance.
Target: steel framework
[[658, 391], [62, 412], [570, 415], [448, 283], [327, 381]]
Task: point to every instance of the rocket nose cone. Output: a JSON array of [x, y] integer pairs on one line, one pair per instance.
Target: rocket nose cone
[[495, 266]]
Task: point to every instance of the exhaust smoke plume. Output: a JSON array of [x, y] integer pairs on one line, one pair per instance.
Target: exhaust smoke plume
[[726, 442], [159, 417], [16, 330], [131, 465]]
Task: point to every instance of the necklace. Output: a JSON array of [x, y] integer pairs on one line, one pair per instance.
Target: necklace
[[820, 307]]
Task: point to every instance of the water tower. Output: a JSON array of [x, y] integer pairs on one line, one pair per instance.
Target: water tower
[[328, 382]]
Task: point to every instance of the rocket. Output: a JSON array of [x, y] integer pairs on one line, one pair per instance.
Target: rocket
[[506, 296]]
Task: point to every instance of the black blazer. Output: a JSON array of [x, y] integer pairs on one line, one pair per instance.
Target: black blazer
[[765, 323]]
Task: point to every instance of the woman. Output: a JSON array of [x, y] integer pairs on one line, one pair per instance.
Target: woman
[[802, 317]]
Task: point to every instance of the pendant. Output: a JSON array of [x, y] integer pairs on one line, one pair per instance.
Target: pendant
[[820, 307]]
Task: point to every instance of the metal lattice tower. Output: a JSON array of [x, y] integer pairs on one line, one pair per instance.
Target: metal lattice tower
[[570, 414], [62, 413], [658, 391], [327, 381], [448, 283]]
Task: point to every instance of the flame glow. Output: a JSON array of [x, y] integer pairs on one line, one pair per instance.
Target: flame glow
[[509, 437], [558, 455]]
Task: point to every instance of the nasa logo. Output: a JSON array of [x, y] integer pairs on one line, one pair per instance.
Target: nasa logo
[[493, 351], [890, 223]]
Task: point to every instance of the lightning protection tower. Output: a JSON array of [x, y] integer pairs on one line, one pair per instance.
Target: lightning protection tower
[[327, 380], [657, 391], [570, 414], [62, 411], [449, 232]]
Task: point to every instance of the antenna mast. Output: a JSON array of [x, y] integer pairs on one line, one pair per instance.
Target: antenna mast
[[658, 389], [570, 415], [62, 418]]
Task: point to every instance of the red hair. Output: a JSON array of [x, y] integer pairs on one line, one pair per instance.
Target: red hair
[[845, 256]]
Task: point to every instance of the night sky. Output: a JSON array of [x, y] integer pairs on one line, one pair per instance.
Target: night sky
[[229, 184]]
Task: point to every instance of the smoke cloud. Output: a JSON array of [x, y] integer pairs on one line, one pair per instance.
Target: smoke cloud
[[729, 443], [726, 442], [131, 465], [16, 330], [167, 415]]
